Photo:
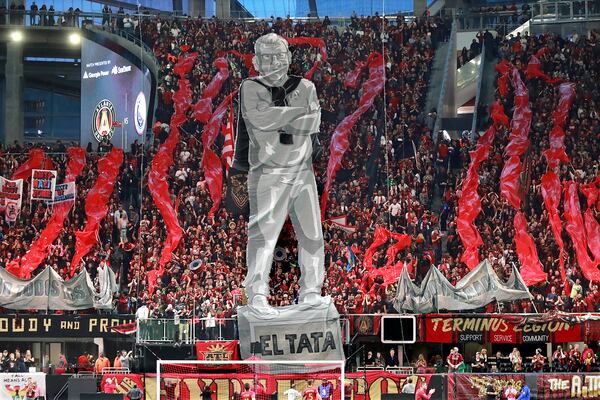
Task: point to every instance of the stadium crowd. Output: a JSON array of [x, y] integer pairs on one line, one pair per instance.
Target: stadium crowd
[[407, 181]]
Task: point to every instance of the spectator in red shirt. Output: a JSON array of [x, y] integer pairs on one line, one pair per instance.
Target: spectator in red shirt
[[454, 360], [422, 394]]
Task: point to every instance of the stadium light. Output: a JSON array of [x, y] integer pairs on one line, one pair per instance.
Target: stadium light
[[16, 36], [74, 38]]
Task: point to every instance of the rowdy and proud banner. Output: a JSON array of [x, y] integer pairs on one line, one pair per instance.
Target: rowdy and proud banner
[[11, 197], [43, 183]]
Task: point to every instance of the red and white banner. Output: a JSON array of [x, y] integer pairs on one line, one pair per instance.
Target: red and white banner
[[364, 385], [342, 223], [64, 192], [122, 382], [43, 183], [217, 350], [11, 197], [499, 329], [229, 140], [541, 385]]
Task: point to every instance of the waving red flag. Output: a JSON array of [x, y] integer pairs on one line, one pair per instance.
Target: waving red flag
[[40, 248], [162, 161], [211, 163], [577, 232], [96, 204], [35, 160], [339, 140], [592, 228], [380, 237], [531, 268], [203, 108]]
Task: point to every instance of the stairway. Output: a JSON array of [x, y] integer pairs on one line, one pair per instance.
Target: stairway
[[436, 78]]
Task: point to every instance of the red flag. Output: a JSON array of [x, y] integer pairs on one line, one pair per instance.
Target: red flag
[[39, 249], [534, 70], [403, 241], [211, 164], [380, 238], [96, 204], [311, 41], [229, 140], [576, 230], [163, 160], [125, 329], [592, 228], [339, 140], [35, 160], [550, 183], [469, 203], [353, 77], [531, 268], [509, 181], [551, 193], [203, 108]]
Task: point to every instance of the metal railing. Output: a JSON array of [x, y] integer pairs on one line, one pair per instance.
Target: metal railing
[[185, 331], [545, 12], [189, 331]]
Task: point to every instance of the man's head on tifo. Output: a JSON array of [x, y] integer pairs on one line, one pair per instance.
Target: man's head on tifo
[[272, 58]]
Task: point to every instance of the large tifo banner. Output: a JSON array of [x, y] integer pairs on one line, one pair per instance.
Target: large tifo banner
[[48, 291], [11, 197], [23, 386], [370, 385], [541, 386]]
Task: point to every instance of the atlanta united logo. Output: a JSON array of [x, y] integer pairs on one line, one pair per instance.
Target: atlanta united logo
[[104, 117]]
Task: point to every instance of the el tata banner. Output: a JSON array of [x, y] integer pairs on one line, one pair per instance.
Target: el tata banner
[[541, 386], [497, 328], [49, 291], [62, 326], [370, 385], [23, 386]]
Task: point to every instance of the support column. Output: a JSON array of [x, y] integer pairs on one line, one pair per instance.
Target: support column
[[223, 9], [419, 7], [13, 110], [196, 8]]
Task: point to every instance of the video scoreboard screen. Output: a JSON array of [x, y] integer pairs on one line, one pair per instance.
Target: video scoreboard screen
[[115, 96]]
